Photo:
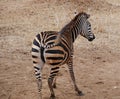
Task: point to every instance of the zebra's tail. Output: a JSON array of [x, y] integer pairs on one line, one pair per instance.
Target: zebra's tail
[[37, 61]]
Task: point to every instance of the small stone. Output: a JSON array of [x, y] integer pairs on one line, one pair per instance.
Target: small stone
[[115, 87]]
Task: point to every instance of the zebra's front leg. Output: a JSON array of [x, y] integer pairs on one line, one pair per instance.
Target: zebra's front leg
[[70, 66], [53, 74], [54, 83]]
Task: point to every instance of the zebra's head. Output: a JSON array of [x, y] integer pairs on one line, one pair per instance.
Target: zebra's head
[[86, 27]]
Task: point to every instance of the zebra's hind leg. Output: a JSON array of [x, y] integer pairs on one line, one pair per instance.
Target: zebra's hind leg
[[70, 66], [38, 74], [39, 82], [53, 73]]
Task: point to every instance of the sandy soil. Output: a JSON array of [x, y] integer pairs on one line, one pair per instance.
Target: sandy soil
[[96, 64]]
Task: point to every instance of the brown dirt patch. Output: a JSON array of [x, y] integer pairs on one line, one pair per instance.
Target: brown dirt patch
[[96, 64]]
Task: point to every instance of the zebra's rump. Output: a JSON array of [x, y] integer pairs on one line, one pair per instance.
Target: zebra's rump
[[55, 55]]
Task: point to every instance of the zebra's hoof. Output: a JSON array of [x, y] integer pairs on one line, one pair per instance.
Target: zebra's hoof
[[54, 86], [80, 93], [52, 97]]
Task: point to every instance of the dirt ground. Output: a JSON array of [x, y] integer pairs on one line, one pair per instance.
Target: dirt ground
[[96, 64]]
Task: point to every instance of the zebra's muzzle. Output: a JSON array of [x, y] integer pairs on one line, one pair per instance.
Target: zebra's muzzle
[[91, 38]]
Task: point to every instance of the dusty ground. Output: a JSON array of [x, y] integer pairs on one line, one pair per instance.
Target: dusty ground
[[96, 64]]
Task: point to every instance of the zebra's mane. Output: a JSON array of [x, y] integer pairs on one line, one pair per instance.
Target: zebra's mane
[[67, 28]]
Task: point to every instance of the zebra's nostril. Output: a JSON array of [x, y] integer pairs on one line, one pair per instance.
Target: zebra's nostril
[[92, 36]]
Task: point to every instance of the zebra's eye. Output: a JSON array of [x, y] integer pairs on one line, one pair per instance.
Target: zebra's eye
[[89, 25]]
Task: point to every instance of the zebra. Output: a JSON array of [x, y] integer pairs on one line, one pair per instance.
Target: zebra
[[56, 48]]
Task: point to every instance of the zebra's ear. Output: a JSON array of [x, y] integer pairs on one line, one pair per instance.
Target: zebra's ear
[[88, 15], [75, 13]]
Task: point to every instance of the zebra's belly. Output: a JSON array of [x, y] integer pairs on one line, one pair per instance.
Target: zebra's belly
[[55, 56]]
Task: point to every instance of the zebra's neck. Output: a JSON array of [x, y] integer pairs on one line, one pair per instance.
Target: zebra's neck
[[77, 28], [73, 28]]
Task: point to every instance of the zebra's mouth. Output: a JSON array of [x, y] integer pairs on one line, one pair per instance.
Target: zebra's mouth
[[91, 38]]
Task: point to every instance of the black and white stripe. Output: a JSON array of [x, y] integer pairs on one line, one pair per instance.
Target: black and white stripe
[[45, 49]]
